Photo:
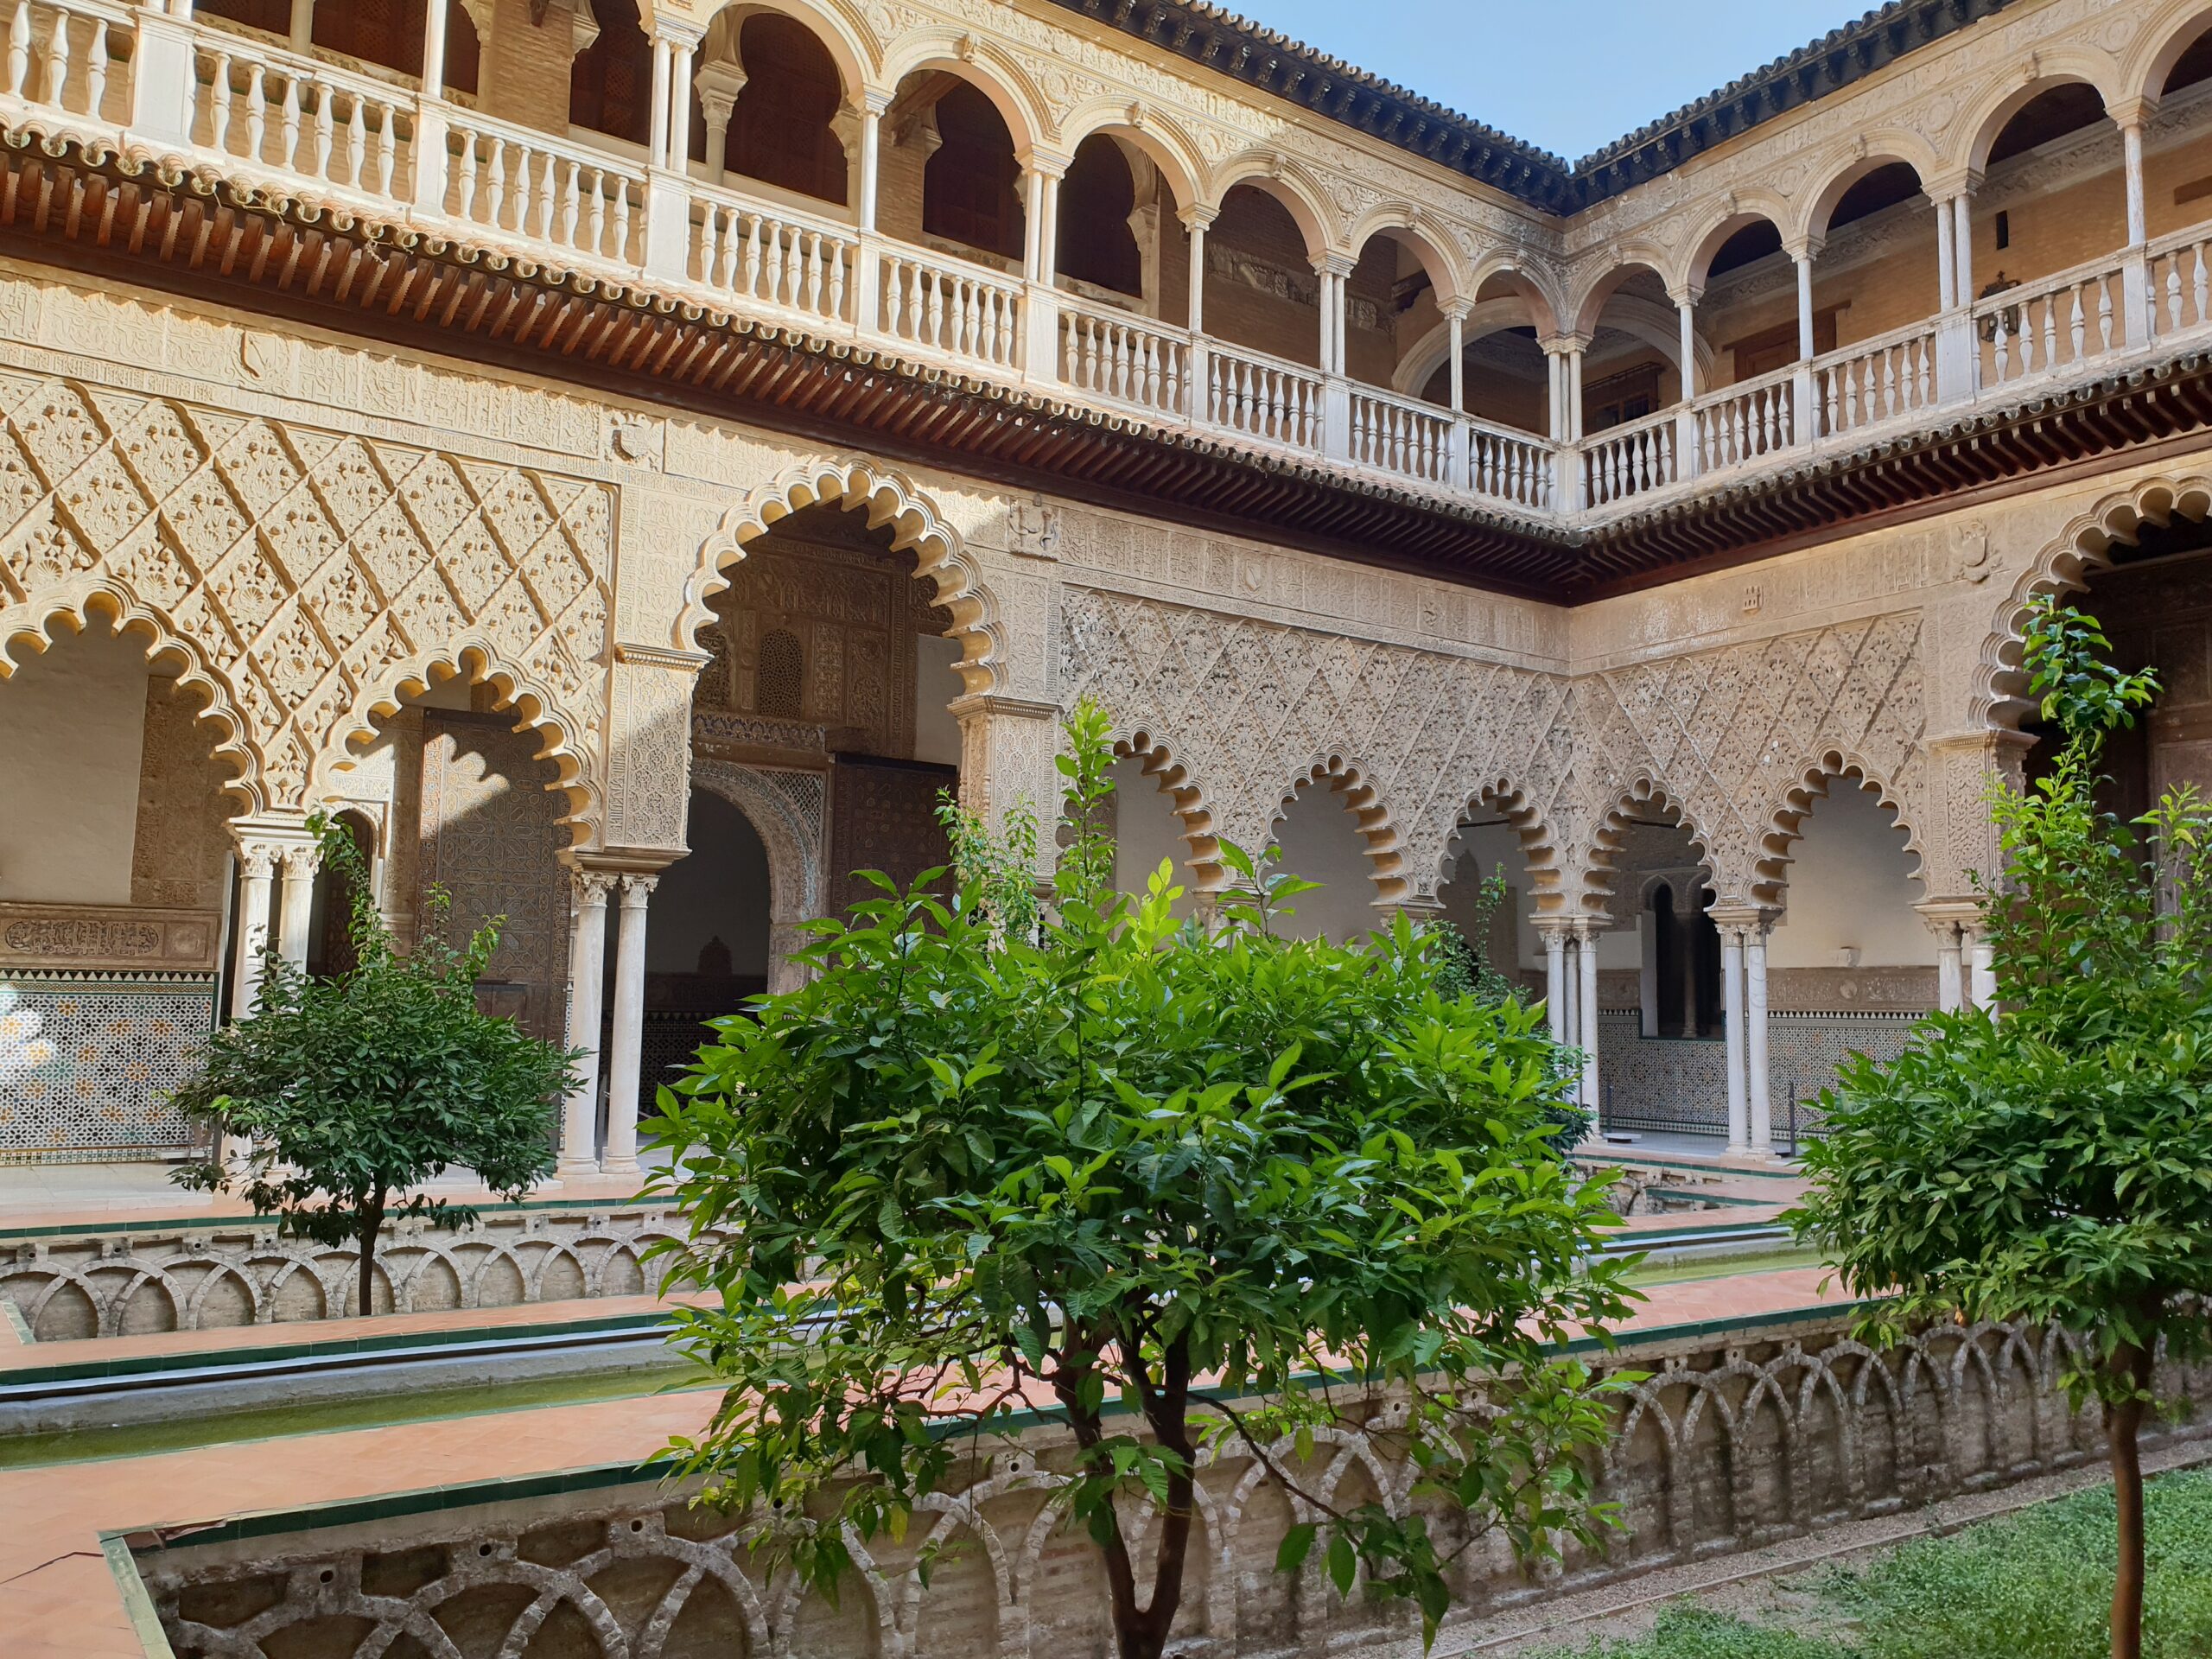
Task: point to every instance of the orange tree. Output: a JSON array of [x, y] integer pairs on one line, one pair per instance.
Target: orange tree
[[1182, 1187], [2053, 1161]]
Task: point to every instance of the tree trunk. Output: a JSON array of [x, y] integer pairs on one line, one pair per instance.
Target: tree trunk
[[2123, 1424], [371, 1224]]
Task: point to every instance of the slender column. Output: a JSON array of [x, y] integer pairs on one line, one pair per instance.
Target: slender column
[[1949, 964], [1571, 992], [1686, 319], [1033, 227], [1332, 305], [1962, 240], [434, 49], [1456, 316], [1196, 219], [587, 972], [663, 75], [1573, 371], [872, 107], [679, 103], [1687, 954], [1758, 1085], [625, 1049], [302, 25], [1731, 998], [1555, 1011], [2131, 144], [1048, 231], [257, 862], [1981, 987], [1946, 259], [1804, 264], [720, 85], [1554, 405], [1586, 1017], [301, 863]]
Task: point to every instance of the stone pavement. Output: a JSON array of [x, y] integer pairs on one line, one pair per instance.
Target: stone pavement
[[59, 1599]]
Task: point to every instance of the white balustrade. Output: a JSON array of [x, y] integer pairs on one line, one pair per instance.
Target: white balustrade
[[60, 58], [542, 189], [2050, 326], [288, 115], [1125, 359], [1871, 381], [960, 311], [2179, 298], [1263, 397], [1396, 434], [774, 259], [1629, 459], [1508, 466], [1743, 422]]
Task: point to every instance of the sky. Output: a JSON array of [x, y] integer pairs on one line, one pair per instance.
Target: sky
[[1565, 75]]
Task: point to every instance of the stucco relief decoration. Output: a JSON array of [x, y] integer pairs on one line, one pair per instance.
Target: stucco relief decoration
[[649, 769], [307, 575]]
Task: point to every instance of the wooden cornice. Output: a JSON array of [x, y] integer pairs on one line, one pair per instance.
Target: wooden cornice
[[100, 215]]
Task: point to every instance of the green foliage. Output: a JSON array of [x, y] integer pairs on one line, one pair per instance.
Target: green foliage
[[2053, 1163], [2031, 1585], [1467, 970], [1173, 1188], [354, 1090]]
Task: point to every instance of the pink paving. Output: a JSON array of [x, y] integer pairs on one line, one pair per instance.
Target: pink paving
[[58, 1599]]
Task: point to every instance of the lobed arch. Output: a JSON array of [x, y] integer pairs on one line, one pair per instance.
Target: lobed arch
[[109, 600], [2060, 66], [1159, 137], [1372, 819], [889, 498], [795, 887], [1290, 184], [2063, 565], [1589, 888], [2171, 31], [1743, 209], [1811, 781], [1843, 167], [857, 56], [1538, 841], [984, 66], [561, 733], [1430, 245], [1187, 800]]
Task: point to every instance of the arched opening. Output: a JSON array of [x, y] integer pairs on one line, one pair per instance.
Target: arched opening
[[331, 950], [1488, 897], [1104, 243], [1875, 270], [1661, 1018], [1390, 305], [709, 949], [1630, 371], [2025, 225], [2176, 168], [779, 127], [1748, 306], [1506, 376], [1850, 964], [115, 876], [1319, 830], [1148, 831], [1262, 292], [951, 157], [611, 83]]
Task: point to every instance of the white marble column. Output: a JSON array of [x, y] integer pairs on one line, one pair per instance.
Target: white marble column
[[873, 106], [1586, 1014], [587, 972], [301, 862], [1962, 243], [1947, 258], [257, 864], [657, 146], [1758, 1084], [1981, 985], [1731, 998], [1804, 260], [1555, 1010], [2131, 147], [1574, 391], [625, 1046], [1948, 964], [434, 49]]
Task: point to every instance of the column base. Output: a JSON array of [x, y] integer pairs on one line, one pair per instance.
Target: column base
[[620, 1167], [568, 1169]]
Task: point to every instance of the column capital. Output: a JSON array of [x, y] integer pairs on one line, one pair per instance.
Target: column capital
[[684, 34], [1197, 216], [873, 101], [1947, 186], [2135, 112], [1744, 920], [1565, 345], [718, 84], [1330, 263], [1685, 294], [1050, 163], [1556, 929], [591, 887], [1456, 308], [302, 860], [637, 888], [1803, 250]]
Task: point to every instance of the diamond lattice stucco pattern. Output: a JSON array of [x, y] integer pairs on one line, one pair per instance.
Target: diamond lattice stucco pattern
[[308, 573]]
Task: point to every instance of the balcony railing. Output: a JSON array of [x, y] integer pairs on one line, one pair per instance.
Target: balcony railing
[[229, 104]]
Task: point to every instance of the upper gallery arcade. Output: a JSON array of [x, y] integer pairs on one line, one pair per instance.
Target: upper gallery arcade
[[627, 459]]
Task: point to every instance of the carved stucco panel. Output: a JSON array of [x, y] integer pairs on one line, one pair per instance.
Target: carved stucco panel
[[649, 776]]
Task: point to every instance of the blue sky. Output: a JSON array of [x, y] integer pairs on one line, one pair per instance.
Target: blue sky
[[1565, 75]]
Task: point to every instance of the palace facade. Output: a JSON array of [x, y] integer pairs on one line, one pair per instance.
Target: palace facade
[[627, 457]]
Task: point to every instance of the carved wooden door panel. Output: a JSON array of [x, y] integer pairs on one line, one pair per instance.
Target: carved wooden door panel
[[489, 829], [883, 816]]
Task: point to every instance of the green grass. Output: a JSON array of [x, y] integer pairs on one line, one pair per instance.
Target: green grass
[[2033, 1586]]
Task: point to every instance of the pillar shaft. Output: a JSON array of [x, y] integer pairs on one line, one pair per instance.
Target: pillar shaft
[[255, 865], [300, 865], [1757, 1084], [871, 160], [1686, 313], [664, 73], [587, 971], [1586, 1017], [434, 49], [1947, 261], [1962, 240], [1732, 996], [1555, 1011], [2131, 140], [1804, 262], [1981, 986], [626, 1047]]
